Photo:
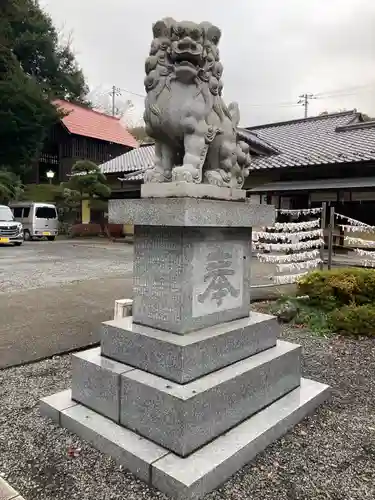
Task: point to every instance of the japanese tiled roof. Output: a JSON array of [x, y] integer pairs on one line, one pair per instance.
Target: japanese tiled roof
[[132, 161], [143, 157], [257, 145], [333, 138], [322, 140], [89, 123]]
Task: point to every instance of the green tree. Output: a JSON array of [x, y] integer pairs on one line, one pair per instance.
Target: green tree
[[10, 187], [25, 115], [35, 68], [29, 33], [87, 182]]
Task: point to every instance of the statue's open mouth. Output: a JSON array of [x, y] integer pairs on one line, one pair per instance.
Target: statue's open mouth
[[187, 58]]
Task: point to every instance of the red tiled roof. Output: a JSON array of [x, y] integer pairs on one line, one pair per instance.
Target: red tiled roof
[[89, 123]]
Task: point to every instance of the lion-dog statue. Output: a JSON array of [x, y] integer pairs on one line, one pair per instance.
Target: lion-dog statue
[[194, 131]]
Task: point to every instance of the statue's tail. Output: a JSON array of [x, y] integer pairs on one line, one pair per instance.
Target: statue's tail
[[234, 112]]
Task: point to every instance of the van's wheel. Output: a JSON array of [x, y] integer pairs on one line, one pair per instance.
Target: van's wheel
[[18, 244], [26, 235], [51, 238]]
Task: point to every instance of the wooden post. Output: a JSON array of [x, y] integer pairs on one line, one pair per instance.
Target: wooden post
[[323, 226], [330, 235]]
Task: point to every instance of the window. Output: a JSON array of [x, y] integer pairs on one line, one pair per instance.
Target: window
[[46, 213], [6, 214], [17, 212], [26, 212]]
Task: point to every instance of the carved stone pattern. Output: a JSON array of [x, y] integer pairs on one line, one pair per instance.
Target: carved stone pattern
[[157, 266]]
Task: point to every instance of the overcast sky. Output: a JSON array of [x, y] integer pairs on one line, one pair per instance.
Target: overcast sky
[[272, 50]]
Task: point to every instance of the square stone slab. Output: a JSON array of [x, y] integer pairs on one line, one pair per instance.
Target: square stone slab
[[191, 190], [7, 492], [128, 449], [192, 477], [183, 418], [190, 212], [96, 382], [51, 406], [183, 358]]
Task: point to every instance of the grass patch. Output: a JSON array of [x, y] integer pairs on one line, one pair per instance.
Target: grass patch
[[299, 311]]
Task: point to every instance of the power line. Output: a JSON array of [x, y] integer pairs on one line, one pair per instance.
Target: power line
[[349, 94], [355, 88], [132, 93], [304, 99]]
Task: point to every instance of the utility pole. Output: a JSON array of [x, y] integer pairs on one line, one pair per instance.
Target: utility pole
[[304, 99], [114, 92]]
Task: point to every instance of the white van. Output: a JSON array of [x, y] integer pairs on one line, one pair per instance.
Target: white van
[[10, 230], [39, 220]]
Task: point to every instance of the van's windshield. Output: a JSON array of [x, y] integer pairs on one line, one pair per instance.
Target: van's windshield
[[6, 214], [46, 213]]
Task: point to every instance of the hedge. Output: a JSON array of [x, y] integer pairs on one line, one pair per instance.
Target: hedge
[[333, 289], [353, 320]]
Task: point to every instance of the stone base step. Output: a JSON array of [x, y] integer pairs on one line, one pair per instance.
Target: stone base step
[[184, 417], [192, 477], [182, 358]]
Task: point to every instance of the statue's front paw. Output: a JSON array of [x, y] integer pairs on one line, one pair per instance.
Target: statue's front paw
[[217, 178], [185, 173], [156, 175]]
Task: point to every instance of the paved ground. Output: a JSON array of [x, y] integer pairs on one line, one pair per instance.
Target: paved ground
[[54, 295]]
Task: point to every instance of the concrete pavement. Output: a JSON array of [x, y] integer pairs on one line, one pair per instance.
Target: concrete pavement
[[56, 319], [54, 295]]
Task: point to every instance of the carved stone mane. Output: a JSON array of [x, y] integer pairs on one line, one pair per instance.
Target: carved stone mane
[[194, 131]]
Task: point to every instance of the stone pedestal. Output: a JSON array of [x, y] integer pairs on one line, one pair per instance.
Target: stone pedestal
[[192, 386]]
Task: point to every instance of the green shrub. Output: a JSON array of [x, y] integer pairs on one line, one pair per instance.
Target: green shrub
[[329, 290], [353, 319]]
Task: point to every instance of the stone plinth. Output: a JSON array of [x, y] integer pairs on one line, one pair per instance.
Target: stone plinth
[[183, 358], [192, 386], [188, 278], [192, 477], [191, 259], [179, 417], [188, 190], [189, 212]]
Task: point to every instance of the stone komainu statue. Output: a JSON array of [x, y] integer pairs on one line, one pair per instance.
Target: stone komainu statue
[[194, 131]]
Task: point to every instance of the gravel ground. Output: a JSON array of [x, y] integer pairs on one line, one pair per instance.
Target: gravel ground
[[330, 455]]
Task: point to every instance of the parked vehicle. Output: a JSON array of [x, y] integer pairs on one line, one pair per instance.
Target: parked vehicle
[[10, 230], [39, 220]]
